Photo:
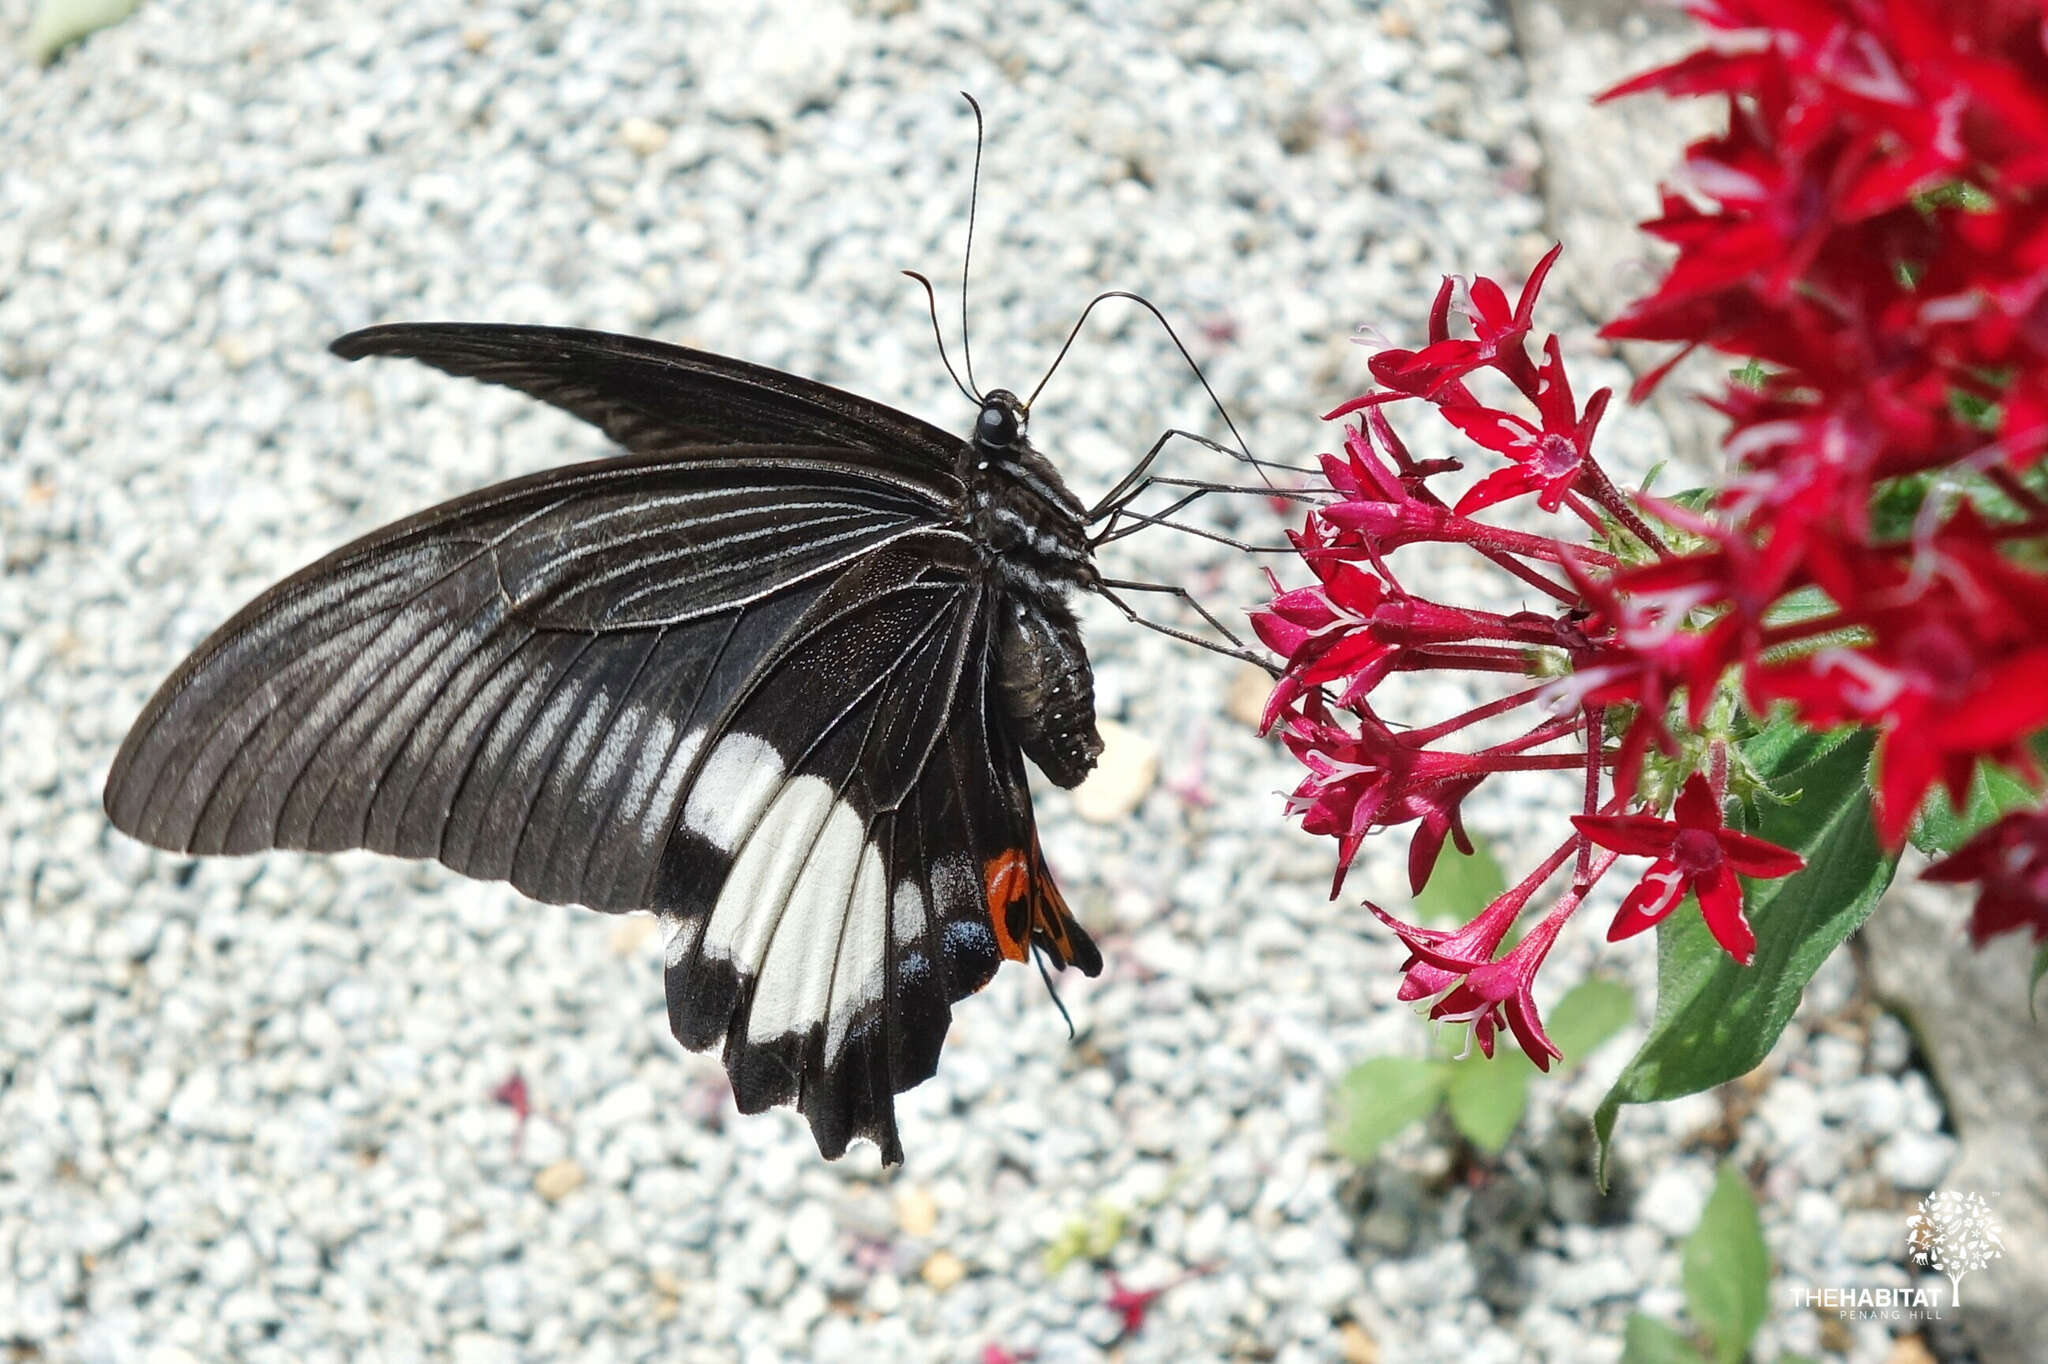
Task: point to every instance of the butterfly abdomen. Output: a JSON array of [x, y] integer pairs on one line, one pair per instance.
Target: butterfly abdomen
[[1047, 687]]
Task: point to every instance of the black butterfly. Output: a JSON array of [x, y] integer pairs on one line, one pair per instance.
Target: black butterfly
[[773, 676]]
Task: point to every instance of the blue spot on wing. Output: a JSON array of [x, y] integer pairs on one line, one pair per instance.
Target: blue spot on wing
[[971, 954]]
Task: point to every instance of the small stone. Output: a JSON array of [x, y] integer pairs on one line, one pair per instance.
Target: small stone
[[1127, 769], [1816, 1214], [1387, 1229], [1672, 1202], [1356, 1345], [1910, 1350], [803, 1307], [479, 1347], [1607, 1278], [476, 38], [559, 1180], [643, 136], [1870, 1237], [1246, 701], [1916, 1160], [1571, 1198], [1206, 1235], [885, 1294], [917, 1212], [633, 1101], [942, 1271], [1877, 1103], [162, 1353], [1836, 1062], [810, 1234], [631, 933], [1891, 1044], [36, 761], [1791, 1110]]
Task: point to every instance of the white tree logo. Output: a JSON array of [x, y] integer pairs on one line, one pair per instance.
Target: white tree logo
[[1955, 1234]]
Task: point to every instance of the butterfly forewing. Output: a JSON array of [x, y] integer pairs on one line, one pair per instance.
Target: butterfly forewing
[[417, 677], [652, 397]]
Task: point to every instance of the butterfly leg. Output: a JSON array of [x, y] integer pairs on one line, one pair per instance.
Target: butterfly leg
[[1118, 503], [1134, 482], [1239, 651], [1138, 479], [1308, 495], [1186, 596], [1144, 519], [1113, 531]]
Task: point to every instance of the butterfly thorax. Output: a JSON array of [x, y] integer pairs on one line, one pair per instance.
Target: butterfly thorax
[[1028, 524], [1032, 535]]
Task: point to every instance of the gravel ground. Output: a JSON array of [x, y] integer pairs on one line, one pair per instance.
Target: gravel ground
[[246, 1107]]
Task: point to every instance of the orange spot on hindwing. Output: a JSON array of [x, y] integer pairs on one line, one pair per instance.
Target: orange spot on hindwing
[[1007, 877]]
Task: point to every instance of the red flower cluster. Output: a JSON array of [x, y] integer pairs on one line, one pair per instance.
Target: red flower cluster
[[1615, 639], [1871, 234]]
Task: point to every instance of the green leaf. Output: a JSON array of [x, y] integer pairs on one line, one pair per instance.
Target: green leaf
[[1895, 502], [1092, 1237], [59, 23], [1692, 499], [1727, 1271], [1752, 375], [1799, 606], [1940, 828], [2034, 980], [1377, 1098], [1460, 886], [1974, 409], [1779, 751], [1590, 1012], [1487, 1098], [1955, 194], [1716, 1019], [1645, 1340]]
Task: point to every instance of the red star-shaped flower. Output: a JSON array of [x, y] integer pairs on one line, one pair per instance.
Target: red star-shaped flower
[[1546, 459], [2010, 861], [1696, 852]]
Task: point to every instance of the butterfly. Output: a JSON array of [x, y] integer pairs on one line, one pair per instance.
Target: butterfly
[[772, 674]]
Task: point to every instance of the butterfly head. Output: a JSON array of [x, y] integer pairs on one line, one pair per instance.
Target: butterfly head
[[1000, 427]]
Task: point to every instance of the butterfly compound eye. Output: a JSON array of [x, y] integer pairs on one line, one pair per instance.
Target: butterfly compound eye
[[1000, 422]]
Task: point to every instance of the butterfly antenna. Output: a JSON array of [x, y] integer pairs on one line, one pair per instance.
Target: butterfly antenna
[[1038, 955], [931, 300], [967, 256], [1150, 307]]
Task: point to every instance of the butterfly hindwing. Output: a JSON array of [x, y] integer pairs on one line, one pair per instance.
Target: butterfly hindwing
[[827, 921]]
